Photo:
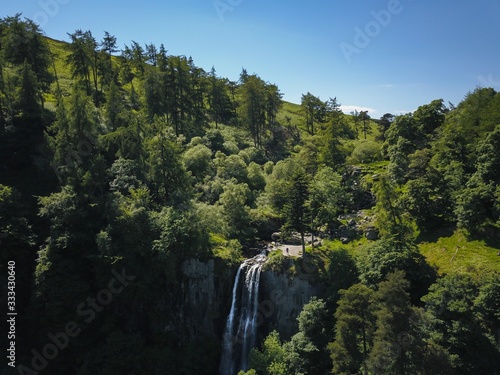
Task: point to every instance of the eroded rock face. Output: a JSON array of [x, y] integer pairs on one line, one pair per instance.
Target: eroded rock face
[[372, 234], [282, 300], [203, 298]]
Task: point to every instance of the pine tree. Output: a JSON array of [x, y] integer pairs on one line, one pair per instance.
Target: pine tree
[[353, 330], [296, 211], [392, 337], [252, 110]]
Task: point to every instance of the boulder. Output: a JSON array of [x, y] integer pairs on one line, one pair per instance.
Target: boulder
[[371, 234], [345, 240], [344, 231], [276, 236]]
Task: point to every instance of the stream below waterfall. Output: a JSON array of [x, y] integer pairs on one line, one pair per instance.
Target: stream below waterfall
[[241, 327]]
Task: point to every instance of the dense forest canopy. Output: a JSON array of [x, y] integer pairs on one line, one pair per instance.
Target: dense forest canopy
[[130, 161]]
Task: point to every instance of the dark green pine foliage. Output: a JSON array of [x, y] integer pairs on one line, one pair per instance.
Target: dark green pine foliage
[[314, 111], [354, 329], [253, 109], [452, 304], [332, 153], [296, 211], [393, 337], [20, 41], [81, 58], [28, 104], [308, 349], [479, 203]]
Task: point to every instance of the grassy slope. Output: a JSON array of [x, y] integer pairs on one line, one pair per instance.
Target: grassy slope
[[59, 54], [455, 253]]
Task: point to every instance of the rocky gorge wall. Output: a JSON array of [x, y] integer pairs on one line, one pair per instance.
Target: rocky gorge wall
[[282, 298], [204, 300]]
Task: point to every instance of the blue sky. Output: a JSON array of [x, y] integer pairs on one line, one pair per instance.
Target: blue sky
[[383, 55]]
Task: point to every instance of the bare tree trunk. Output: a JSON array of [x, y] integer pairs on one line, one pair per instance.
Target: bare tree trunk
[[303, 244]]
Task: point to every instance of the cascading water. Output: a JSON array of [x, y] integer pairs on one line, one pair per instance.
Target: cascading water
[[241, 328]]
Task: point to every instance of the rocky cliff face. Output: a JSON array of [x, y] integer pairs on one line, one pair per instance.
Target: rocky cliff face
[[282, 299], [204, 298]]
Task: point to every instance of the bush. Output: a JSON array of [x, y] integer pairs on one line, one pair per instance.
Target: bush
[[198, 160], [277, 262], [231, 147], [228, 251], [365, 152], [231, 167]]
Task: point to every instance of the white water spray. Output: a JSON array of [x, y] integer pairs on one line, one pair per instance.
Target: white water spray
[[241, 327]]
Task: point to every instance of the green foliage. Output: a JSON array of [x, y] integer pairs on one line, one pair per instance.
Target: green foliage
[[327, 196], [431, 116], [232, 166], [296, 213], [391, 218], [166, 172], [219, 100], [277, 262], [270, 360], [198, 160], [314, 111], [428, 200], [391, 254], [278, 183], [309, 345], [476, 203], [255, 176], [229, 251], [333, 152], [402, 138], [455, 325], [249, 372], [125, 176], [354, 329], [22, 43], [342, 272], [83, 59], [259, 107], [235, 210], [365, 152], [154, 94], [393, 340]]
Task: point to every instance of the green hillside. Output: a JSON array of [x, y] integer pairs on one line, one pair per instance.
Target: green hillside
[[474, 256]]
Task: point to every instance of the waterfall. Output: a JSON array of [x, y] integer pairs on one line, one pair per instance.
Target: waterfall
[[241, 327]]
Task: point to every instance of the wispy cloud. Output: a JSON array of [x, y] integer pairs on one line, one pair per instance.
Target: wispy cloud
[[351, 108]]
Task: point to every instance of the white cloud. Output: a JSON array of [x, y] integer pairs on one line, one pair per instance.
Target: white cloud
[[350, 108]]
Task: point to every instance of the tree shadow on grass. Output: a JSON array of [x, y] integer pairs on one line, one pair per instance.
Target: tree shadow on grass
[[434, 236], [489, 233]]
